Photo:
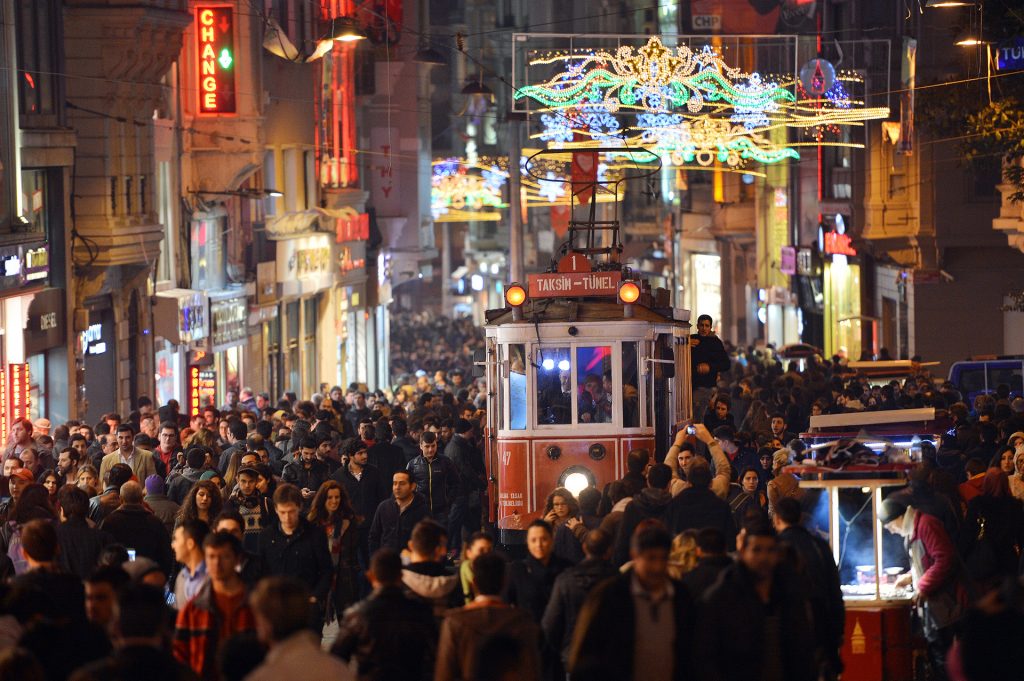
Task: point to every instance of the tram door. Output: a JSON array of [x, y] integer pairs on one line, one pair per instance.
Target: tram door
[[662, 373]]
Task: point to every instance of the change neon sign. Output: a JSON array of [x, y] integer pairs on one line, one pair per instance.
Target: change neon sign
[[215, 38]]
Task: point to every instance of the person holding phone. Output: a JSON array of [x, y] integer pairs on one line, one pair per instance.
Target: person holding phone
[[684, 450]]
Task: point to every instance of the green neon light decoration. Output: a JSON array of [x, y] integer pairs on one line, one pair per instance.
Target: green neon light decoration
[[654, 78], [225, 59]]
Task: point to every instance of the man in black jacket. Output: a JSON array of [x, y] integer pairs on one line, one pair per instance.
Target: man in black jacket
[[395, 517], [387, 457], [711, 560], [697, 507], [365, 489], [470, 465], [749, 615], [135, 526], [80, 545], [410, 448], [708, 359], [436, 478], [571, 590], [391, 635], [816, 569], [306, 472], [638, 625], [293, 547], [653, 502], [531, 580]]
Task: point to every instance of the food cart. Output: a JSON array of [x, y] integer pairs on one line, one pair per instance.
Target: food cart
[[869, 457]]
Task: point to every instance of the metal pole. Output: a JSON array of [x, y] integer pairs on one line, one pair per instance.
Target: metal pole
[[515, 217], [446, 268]]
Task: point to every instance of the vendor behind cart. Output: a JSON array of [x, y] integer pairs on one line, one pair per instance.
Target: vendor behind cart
[[934, 573]]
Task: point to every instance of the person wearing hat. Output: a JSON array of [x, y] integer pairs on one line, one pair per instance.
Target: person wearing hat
[[934, 573], [783, 485], [40, 427], [161, 505], [18, 479]]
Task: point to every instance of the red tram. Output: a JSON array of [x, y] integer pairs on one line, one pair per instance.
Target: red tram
[[582, 366]]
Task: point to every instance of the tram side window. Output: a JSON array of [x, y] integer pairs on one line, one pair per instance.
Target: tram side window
[[517, 386], [630, 387], [594, 378], [554, 386], [500, 392]]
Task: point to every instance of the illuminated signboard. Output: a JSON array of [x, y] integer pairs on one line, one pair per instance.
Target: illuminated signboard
[[202, 389], [572, 284], [3, 402], [838, 244], [215, 37], [18, 400]]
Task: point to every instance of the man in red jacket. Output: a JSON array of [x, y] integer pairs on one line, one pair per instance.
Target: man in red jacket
[[934, 574]]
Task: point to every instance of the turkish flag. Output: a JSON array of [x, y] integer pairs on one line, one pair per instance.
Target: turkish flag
[[560, 220], [584, 175]]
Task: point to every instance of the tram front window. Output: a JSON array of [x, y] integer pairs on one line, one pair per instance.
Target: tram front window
[[554, 386], [594, 378]]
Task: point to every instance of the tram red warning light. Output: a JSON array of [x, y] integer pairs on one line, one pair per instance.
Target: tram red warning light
[[629, 292], [515, 295]]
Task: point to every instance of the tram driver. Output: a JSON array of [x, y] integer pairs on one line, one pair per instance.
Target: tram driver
[[595, 403]]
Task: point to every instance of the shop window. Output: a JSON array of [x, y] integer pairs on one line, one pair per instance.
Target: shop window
[[38, 22], [272, 344], [595, 391], [35, 195], [309, 345], [983, 176], [837, 163], [517, 386], [554, 386], [630, 386], [37, 386], [294, 382]]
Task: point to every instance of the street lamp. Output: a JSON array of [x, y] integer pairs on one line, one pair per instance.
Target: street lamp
[[255, 193]]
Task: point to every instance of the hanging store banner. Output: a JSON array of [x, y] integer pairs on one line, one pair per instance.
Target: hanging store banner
[[215, 49], [735, 17], [908, 81], [229, 322]]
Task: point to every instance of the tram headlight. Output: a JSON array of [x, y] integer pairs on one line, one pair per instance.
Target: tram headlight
[[576, 483], [576, 479], [515, 295]]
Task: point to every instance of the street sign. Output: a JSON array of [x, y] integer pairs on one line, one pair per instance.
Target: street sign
[[574, 284], [1010, 54]]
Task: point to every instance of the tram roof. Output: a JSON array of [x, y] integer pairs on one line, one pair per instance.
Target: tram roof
[[583, 310]]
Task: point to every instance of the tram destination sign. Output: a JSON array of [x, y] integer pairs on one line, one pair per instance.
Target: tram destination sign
[[574, 284]]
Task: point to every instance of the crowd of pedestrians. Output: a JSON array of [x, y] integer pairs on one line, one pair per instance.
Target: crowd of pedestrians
[[223, 545]]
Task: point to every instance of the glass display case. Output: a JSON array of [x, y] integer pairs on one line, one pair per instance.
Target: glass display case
[[843, 506]]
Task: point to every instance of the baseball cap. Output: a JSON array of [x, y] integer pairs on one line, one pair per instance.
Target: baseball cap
[[25, 474]]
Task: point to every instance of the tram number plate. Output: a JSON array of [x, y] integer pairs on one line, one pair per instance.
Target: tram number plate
[[574, 284]]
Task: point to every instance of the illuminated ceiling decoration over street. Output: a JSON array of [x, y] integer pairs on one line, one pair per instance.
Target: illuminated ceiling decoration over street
[[473, 189], [688, 106], [652, 78]]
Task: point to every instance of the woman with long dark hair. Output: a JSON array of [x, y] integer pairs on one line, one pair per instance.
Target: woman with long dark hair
[[992, 535], [203, 502], [332, 511]]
